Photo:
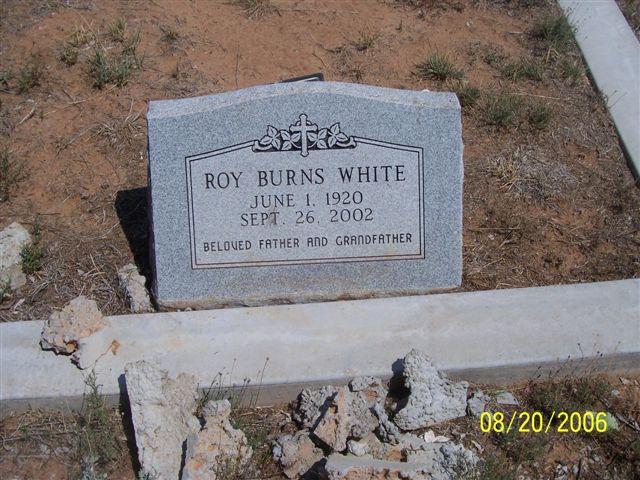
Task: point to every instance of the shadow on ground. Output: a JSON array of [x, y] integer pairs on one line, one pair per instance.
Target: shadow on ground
[[132, 209]]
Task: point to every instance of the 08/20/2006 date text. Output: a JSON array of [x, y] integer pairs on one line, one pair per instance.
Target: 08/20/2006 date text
[[536, 422]]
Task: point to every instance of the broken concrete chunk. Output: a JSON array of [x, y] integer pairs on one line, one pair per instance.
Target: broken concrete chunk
[[433, 398], [218, 450], [296, 454], [371, 388], [346, 467], [64, 329], [506, 398], [133, 285], [349, 415], [386, 429], [477, 403], [162, 410], [333, 427], [12, 240], [312, 404], [444, 461]]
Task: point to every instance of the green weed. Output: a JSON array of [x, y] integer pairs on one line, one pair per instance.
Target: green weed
[[524, 69], [467, 95], [571, 71], [32, 254], [501, 110], [555, 31], [97, 430], [68, 54], [30, 75], [439, 66], [539, 115]]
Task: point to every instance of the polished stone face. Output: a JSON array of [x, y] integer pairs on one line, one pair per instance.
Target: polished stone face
[[304, 192]]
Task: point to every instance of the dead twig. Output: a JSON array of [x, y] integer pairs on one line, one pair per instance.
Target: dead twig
[[28, 115]]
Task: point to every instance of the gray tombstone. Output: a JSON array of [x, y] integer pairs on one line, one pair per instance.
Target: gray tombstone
[[304, 192]]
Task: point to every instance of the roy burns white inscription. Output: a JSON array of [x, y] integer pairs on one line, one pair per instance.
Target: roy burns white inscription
[[286, 201]]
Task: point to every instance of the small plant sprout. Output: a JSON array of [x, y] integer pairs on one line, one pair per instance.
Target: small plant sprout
[[169, 33], [366, 40]]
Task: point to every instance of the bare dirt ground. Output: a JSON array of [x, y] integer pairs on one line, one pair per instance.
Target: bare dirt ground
[[51, 445], [548, 198]]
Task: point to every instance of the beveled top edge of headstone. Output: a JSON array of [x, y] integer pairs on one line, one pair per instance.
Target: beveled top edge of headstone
[[189, 106]]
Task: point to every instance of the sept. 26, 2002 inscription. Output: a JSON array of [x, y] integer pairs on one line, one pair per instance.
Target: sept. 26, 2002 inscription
[[305, 194]]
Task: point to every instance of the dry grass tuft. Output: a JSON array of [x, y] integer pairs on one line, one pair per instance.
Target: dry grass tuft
[[367, 38], [108, 67], [501, 110], [555, 31], [439, 66], [169, 34], [257, 8], [526, 172], [467, 94], [11, 172], [121, 133], [30, 75]]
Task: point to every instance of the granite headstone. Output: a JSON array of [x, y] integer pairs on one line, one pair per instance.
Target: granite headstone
[[305, 191]]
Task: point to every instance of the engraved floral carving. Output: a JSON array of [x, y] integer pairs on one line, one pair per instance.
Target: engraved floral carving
[[303, 136]]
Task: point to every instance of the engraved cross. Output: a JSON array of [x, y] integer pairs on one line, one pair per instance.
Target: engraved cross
[[303, 128]]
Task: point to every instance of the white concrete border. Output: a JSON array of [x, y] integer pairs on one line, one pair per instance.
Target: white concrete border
[[612, 53], [486, 336]]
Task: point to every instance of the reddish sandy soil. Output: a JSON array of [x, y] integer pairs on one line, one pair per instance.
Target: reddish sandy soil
[[541, 206]]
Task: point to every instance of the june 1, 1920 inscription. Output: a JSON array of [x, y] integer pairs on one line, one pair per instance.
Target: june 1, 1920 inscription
[[299, 192], [285, 201]]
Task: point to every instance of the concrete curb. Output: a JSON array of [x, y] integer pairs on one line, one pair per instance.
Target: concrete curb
[[489, 336], [612, 53]]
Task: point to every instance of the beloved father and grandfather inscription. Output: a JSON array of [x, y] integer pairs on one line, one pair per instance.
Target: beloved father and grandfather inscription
[[297, 192]]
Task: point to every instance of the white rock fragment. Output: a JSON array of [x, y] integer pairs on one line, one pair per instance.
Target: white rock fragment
[[133, 285], [430, 437], [12, 240], [162, 410], [506, 398], [477, 403], [346, 467], [359, 449], [433, 398], [444, 461], [218, 449], [296, 454], [63, 330]]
